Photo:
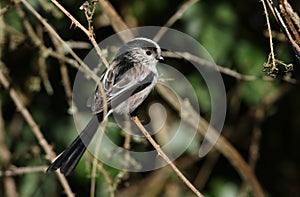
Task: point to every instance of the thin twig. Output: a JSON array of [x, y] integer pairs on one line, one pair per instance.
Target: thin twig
[[207, 168], [39, 43], [165, 157], [292, 14], [22, 170], [284, 27], [283, 5], [253, 148], [42, 65], [116, 21], [6, 8], [35, 128], [192, 118], [44, 75], [86, 31], [270, 35], [107, 179], [50, 29], [83, 67], [73, 110], [222, 69], [95, 160], [260, 113], [157, 179], [43, 54], [9, 183], [178, 14]]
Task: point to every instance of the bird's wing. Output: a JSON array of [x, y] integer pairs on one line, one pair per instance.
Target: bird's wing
[[119, 84]]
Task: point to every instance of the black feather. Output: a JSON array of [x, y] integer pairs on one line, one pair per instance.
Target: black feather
[[68, 160]]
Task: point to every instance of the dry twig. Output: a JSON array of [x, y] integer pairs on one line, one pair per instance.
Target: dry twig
[[178, 14], [165, 157], [9, 183], [274, 68], [191, 117], [86, 31], [115, 20], [22, 170], [222, 69], [83, 67], [286, 27], [35, 128], [95, 160]]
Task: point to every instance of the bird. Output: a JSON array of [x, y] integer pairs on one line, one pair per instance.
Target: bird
[[127, 82]]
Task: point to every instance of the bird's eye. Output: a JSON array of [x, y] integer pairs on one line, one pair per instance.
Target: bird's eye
[[148, 52]]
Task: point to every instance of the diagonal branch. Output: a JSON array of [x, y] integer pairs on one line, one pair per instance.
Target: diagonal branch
[[86, 31], [178, 14], [165, 157], [191, 117], [83, 67], [115, 19], [35, 128]]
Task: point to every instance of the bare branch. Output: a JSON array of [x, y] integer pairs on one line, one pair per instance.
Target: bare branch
[[22, 170], [165, 157], [274, 68], [178, 14], [190, 116], [35, 128], [86, 31], [9, 183], [222, 69], [284, 26], [115, 19]]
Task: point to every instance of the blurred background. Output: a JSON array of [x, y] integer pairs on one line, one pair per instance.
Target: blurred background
[[262, 121]]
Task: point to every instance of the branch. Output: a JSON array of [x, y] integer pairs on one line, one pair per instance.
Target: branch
[[95, 160], [222, 69], [274, 68], [35, 128], [115, 19], [283, 25], [165, 157], [5, 9], [192, 118], [9, 183], [83, 67], [178, 14], [259, 114], [22, 170], [207, 168], [86, 31]]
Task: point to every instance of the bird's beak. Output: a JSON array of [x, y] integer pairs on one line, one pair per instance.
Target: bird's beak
[[160, 58]]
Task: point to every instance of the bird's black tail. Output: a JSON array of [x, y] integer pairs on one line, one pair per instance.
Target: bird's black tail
[[68, 160]]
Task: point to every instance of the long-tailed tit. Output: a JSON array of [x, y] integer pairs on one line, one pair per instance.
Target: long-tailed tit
[[128, 81]]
